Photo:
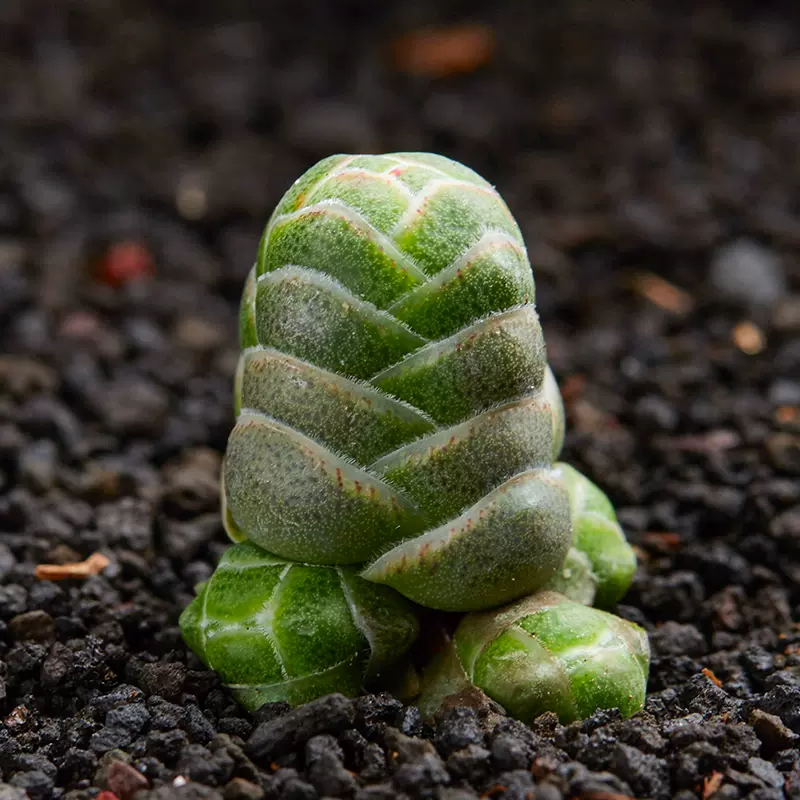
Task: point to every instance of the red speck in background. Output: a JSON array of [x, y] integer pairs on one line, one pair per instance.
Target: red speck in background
[[124, 262]]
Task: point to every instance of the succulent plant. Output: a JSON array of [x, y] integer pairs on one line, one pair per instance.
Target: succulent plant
[[394, 400], [544, 653], [396, 423], [277, 630]]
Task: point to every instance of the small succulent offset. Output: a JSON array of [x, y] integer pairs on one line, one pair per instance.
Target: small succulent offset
[[396, 440]]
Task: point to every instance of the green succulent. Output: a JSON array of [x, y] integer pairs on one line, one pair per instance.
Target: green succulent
[[394, 402], [278, 630], [544, 653], [597, 534], [396, 423]]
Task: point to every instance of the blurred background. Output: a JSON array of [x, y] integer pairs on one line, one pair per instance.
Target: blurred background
[[649, 152]]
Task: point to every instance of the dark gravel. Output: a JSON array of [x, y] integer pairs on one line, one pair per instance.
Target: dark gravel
[[151, 140]]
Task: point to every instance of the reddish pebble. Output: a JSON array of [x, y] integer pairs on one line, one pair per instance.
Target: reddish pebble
[[125, 262], [125, 781], [106, 795]]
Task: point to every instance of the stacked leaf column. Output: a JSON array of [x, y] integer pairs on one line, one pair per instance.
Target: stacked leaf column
[[397, 425]]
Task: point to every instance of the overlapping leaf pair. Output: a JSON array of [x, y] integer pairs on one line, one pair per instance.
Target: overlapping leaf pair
[[397, 425]]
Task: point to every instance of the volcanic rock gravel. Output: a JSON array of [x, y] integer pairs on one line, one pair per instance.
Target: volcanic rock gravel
[[141, 149]]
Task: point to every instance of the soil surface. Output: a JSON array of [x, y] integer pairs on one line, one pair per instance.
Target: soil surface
[[141, 149]]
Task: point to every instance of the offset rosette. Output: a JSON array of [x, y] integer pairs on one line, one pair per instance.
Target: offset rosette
[[598, 536], [544, 653], [394, 403], [277, 630]]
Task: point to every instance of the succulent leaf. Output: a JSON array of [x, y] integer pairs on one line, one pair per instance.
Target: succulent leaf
[[349, 417], [304, 502], [597, 534], [277, 630], [309, 315], [508, 544], [575, 578], [544, 653]]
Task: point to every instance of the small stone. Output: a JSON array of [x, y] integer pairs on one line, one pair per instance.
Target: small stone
[[36, 626], [330, 714], [25, 657], [199, 334], [122, 724], [654, 413], [125, 781], [13, 600], [37, 466], [749, 273], [458, 793], [135, 406], [23, 377], [771, 731], [166, 745], [421, 774], [240, 789], [674, 639], [458, 729], [197, 725], [289, 785], [766, 772], [472, 763], [410, 721], [648, 775], [787, 314], [120, 696], [36, 783], [192, 481], [8, 792], [785, 393], [784, 451], [325, 768], [128, 522], [165, 680]]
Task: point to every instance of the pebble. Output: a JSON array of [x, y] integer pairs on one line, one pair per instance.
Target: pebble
[[240, 789], [673, 638], [121, 726], [127, 522], [35, 783], [37, 466], [36, 626], [324, 760], [766, 772], [134, 407], [125, 781], [330, 714], [8, 792], [747, 272]]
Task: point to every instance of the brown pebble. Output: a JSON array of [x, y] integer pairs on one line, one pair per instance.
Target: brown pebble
[[240, 789], [37, 626], [784, 451], [773, 733]]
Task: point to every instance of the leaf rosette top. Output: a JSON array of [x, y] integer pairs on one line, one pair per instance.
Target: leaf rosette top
[[394, 402]]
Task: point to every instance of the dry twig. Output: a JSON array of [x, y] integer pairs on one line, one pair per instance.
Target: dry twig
[[93, 565]]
